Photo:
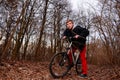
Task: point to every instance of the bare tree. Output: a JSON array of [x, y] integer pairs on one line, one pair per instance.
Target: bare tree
[[37, 52], [108, 30]]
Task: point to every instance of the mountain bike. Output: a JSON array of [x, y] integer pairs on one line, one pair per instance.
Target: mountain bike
[[60, 63]]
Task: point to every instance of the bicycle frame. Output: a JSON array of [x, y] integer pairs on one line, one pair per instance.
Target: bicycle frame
[[74, 56]]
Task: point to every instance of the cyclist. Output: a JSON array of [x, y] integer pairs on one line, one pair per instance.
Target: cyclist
[[79, 35]]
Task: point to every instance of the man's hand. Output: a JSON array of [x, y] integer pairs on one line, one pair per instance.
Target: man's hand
[[64, 37], [77, 36]]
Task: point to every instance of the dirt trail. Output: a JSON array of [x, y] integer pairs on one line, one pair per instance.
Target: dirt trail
[[39, 71]]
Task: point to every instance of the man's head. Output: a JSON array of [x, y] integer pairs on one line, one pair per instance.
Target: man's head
[[69, 24]]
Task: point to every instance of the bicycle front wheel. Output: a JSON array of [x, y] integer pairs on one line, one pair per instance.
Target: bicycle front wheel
[[59, 65]]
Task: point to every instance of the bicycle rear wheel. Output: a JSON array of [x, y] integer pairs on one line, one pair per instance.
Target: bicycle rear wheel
[[59, 65], [78, 66]]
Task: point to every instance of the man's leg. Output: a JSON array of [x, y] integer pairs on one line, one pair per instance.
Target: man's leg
[[83, 60]]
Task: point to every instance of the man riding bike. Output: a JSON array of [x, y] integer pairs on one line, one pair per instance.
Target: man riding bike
[[79, 35]]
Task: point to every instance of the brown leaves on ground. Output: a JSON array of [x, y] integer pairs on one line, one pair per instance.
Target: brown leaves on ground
[[25, 70]]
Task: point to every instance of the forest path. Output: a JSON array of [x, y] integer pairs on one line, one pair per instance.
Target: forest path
[[24, 70]]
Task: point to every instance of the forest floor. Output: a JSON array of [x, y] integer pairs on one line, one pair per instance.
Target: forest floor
[[24, 70]]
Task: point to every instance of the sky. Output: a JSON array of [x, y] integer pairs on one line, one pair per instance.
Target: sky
[[83, 4]]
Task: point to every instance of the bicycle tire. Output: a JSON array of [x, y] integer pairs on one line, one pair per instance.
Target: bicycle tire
[[78, 66], [62, 62]]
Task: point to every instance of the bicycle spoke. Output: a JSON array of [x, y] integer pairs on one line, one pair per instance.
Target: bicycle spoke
[[58, 66]]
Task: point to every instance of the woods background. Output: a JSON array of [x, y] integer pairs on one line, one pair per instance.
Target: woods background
[[31, 29]]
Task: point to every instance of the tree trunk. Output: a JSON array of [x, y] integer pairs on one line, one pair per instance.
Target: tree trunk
[[37, 53]]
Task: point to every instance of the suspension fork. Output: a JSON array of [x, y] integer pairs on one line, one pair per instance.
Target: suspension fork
[[61, 63]]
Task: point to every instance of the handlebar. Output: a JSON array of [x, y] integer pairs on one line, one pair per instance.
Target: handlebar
[[75, 37]]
